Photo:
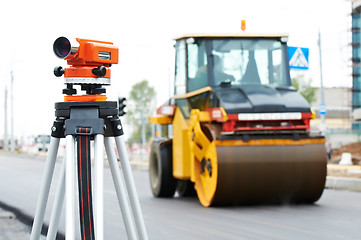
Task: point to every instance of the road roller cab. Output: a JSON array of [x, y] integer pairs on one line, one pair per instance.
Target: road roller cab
[[236, 131]]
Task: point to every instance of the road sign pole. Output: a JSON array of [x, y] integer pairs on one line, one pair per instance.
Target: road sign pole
[[12, 145], [6, 140], [323, 126]]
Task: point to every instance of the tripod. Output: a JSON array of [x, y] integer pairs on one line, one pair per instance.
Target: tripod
[[80, 123]]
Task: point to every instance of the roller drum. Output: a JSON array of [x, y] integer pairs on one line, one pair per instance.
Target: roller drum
[[261, 171], [280, 174]]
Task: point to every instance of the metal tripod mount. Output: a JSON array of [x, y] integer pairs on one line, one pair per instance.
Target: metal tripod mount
[[79, 123]]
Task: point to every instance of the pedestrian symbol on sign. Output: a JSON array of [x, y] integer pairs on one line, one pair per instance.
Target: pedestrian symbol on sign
[[298, 58]]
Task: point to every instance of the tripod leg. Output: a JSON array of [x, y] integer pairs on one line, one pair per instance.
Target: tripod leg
[[129, 181], [58, 205], [99, 186], [120, 189], [70, 188], [44, 189]]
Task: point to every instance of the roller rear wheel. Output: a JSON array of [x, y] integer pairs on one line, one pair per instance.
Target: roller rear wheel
[[162, 182]]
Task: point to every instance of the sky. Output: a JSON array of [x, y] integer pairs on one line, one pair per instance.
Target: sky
[[143, 31]]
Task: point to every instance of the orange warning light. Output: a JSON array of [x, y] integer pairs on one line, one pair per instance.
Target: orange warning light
[[243, 25]]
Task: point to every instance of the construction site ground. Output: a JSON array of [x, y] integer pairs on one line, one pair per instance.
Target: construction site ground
[[349, 171]]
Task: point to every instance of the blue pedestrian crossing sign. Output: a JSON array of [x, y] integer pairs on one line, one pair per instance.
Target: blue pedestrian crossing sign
[[298, 58]]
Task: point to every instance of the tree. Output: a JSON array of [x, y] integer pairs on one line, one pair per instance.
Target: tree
[[304, 88], [140, 106]]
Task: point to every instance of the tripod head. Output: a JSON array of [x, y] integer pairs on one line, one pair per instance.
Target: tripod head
[[90, 63]]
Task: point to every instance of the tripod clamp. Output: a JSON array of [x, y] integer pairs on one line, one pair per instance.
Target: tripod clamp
[[100, 116]]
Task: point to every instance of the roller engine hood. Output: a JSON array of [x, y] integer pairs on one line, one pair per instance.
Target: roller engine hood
[[255, 98]]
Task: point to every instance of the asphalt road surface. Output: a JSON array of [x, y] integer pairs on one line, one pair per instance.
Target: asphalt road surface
[[337, 215]]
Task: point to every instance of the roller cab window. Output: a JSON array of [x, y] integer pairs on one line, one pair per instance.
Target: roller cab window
[[231, 62], [180, 68], [197, 71], [246, 61]]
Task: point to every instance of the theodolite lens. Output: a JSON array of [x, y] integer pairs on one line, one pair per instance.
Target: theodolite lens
[[62, 47]]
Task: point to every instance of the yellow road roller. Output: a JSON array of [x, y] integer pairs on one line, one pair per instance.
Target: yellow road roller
[[236, 132]]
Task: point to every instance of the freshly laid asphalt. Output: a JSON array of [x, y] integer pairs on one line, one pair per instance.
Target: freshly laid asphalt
[[15, 223]]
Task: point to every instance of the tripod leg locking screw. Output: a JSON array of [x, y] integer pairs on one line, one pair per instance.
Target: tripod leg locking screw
[[53, 129], [119, 127]]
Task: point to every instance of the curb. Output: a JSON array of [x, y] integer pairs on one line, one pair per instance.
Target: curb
[[349, 183], [343, 183], [141, 166]]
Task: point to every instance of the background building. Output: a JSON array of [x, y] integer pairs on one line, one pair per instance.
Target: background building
[[356, 59], [340, 117], [339, 111]]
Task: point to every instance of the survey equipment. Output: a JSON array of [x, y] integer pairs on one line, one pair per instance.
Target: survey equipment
[[81, 120]]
